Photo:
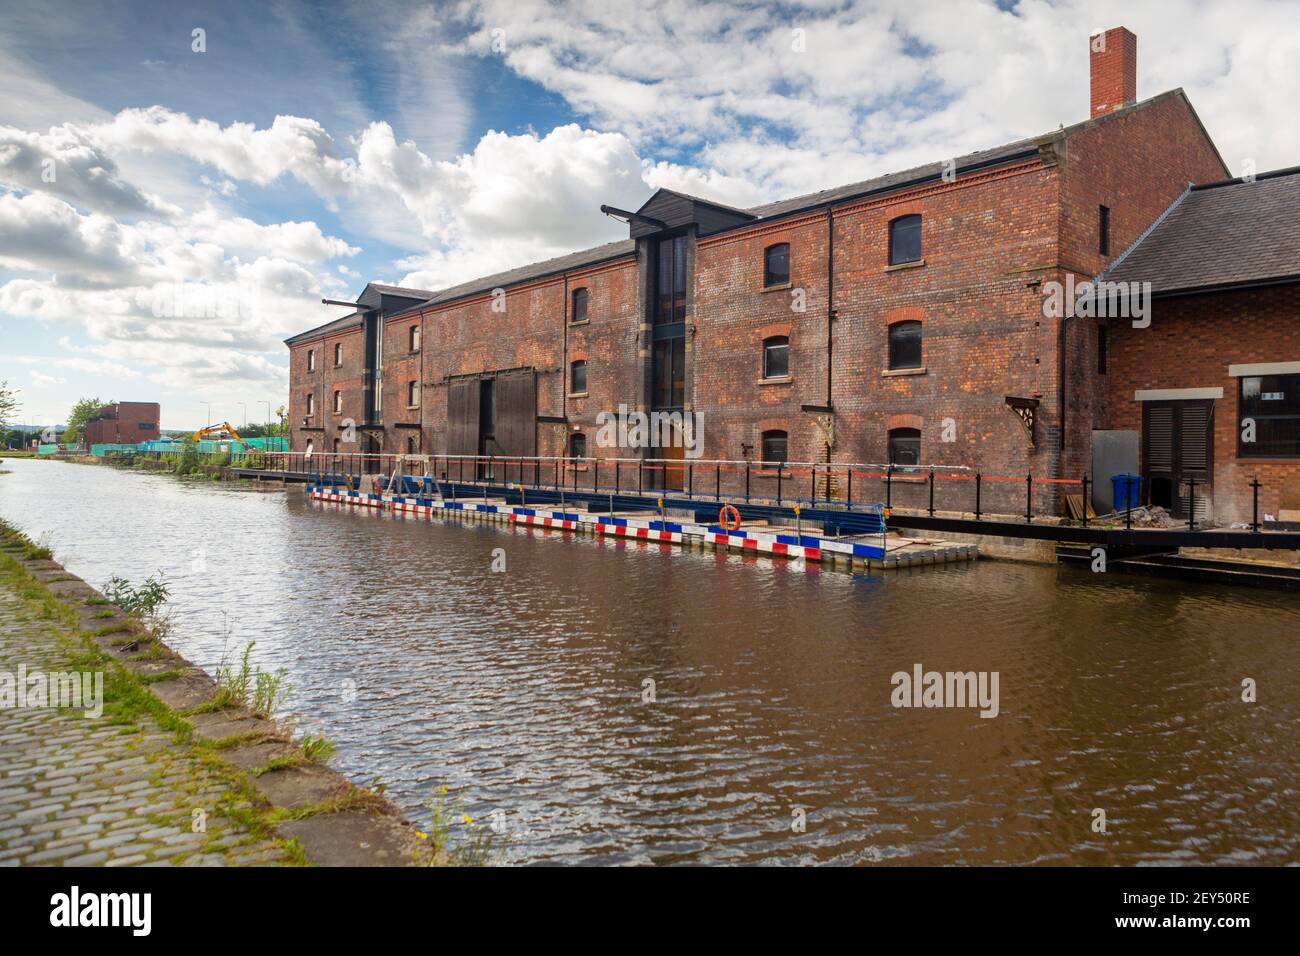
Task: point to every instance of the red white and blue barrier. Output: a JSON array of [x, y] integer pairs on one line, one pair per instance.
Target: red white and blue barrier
[[775, 542]]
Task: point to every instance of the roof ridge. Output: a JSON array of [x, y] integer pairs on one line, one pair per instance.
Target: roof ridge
[[1246, 181]]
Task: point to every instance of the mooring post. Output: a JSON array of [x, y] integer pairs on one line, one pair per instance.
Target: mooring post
[[978, 483], [814, 486], [1085, 501], [690, 479], [849, 469], [717, 478], [889, 485], [1029, 498], [1254, 521], [779, 465], [931, 492], [1191, 504], [595, 474]]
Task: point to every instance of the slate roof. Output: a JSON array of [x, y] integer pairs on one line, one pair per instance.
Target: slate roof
[[1220, 235], [349, 321]]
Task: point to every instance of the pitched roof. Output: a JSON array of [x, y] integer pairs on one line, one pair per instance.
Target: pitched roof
[[403, 291], [1220, 235], [534, 270], [349, 321]]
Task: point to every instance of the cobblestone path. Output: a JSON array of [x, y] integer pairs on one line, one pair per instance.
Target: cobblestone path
[[82, 791]]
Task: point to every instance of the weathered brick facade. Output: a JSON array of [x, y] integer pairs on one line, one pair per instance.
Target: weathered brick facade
[[993, 236], [124, 423], [1191, 343]]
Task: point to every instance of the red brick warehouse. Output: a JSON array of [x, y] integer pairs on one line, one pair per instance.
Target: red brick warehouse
[[896, 320]]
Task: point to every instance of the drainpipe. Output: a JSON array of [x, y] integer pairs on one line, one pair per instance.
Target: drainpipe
[[830, 301], [564, 363]]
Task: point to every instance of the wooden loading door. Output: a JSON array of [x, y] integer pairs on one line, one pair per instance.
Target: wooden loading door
[[1177, 445], [462, 427], [516, 424]]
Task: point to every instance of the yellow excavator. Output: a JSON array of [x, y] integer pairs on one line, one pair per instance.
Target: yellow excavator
[[215, 429]]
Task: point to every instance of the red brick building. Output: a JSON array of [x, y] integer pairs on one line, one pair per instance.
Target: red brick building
[[1210, 389], [124, 423], [898, 320]]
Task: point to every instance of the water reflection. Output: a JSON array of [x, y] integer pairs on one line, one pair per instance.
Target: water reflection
[[524, 689]]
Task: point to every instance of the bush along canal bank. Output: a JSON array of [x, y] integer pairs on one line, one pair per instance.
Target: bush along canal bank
[[118, 751]]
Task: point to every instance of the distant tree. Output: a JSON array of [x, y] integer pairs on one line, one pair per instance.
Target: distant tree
[[81, 413], [8, 404]]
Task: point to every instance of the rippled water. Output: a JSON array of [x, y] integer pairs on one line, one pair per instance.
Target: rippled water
[[523, 690]]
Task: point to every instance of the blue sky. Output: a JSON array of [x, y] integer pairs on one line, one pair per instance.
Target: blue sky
[[311, 147]]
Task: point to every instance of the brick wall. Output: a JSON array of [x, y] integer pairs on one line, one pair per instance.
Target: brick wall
[[401, 367], [991, 239], [1190, 344], [128, 423], [322, 384], [467, 338], [1136, 164]]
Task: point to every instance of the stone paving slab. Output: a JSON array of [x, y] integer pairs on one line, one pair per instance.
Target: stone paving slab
[[78, 790]]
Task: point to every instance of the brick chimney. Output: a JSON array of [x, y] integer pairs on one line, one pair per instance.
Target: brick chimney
[[1112, 64]]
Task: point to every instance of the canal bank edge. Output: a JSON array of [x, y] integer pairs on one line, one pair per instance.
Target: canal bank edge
[[315, 813]]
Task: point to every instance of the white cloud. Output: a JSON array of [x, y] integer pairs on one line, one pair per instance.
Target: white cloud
[[885, 86]]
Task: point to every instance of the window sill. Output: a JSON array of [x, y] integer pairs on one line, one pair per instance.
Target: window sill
[[580, 322], [778, 288], [896, 372], [905, 265], [1275, 458], [412, 408], [578, 394], [776, 380]]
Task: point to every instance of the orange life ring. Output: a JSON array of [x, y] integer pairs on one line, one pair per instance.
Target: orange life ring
[[722, 517]]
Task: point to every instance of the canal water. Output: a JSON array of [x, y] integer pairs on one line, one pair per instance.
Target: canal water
[[605, 701]]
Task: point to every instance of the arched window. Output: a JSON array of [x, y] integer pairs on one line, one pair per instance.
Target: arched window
[[578, 377], [311, 404], [338, 402], [775, 446], [577, 445], [776, 357], [579, 313], [905, 345], [776, 265], [905, 240], [904, 447]]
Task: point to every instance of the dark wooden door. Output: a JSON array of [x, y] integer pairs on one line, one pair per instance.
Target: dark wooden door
[[1177, 445], [462, 426], [516, 421]]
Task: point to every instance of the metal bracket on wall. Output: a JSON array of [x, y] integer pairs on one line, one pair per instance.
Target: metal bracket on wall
[[824, 417], [1026, 410]]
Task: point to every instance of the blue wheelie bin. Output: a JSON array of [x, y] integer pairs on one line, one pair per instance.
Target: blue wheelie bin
[[1127, 491]]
